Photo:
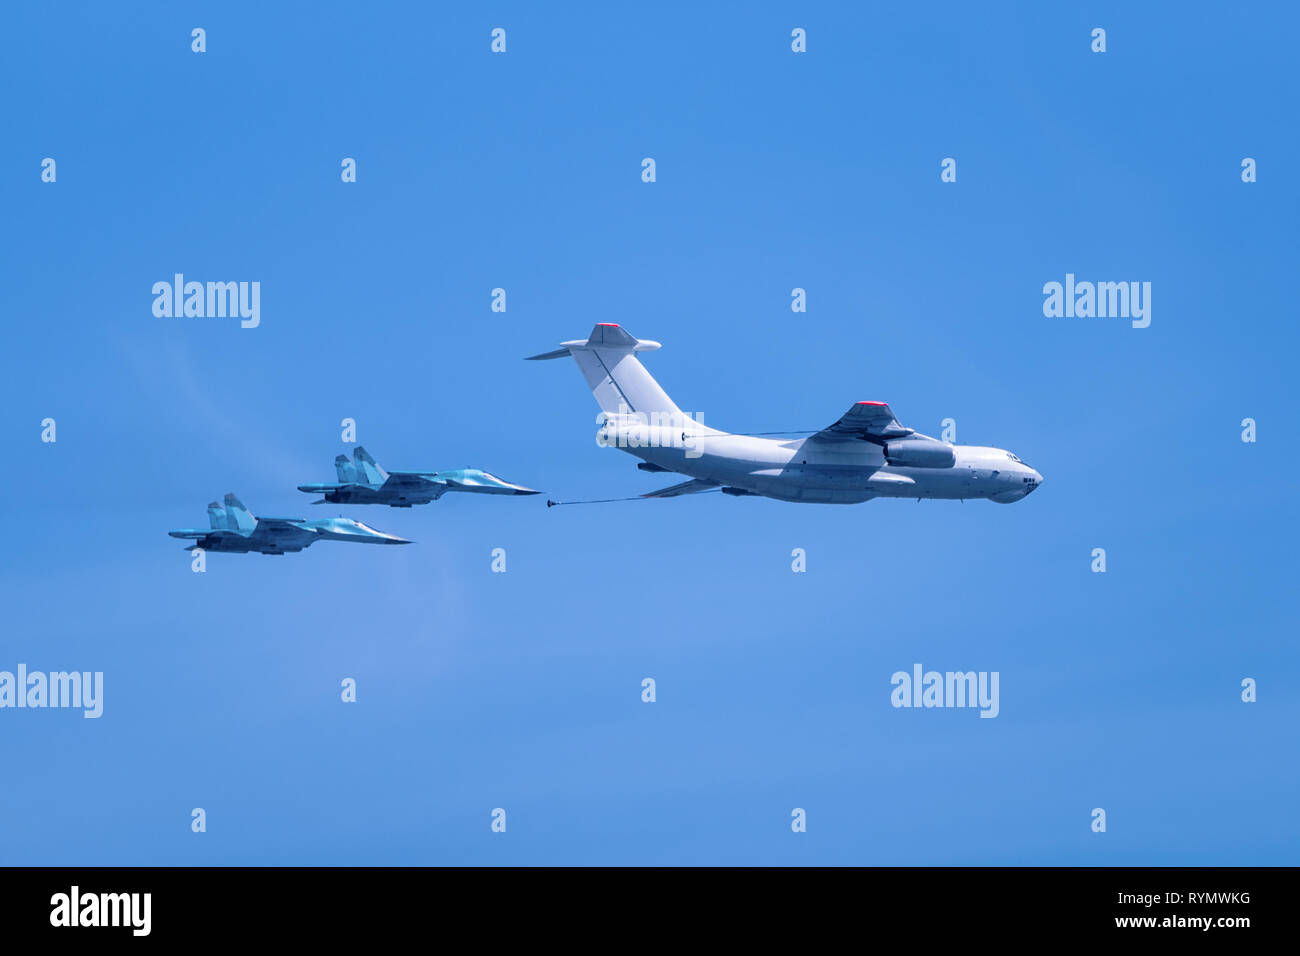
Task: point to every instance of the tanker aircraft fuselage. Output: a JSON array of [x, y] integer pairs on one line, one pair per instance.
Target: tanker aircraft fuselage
[[865, 454]]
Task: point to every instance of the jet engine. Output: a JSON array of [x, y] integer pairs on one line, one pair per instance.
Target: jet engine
[[920, 453]]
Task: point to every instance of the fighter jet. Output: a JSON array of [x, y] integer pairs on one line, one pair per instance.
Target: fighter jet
[[235, 529], [363, 482], [865, 454]]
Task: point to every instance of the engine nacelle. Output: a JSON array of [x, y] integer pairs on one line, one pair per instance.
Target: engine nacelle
[[920, 453]]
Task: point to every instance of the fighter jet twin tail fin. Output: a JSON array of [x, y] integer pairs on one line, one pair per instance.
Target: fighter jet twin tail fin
[[233, 517]]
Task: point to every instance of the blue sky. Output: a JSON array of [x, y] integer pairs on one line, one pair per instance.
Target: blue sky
[[522, 690]]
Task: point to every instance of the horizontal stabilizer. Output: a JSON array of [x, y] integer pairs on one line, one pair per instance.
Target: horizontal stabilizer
[[606, 336], [616, 377]]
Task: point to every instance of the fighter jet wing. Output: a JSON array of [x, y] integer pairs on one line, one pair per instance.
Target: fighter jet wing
[[283, 524], [291, 534], [865, 420], [401, 483], [692, 487]]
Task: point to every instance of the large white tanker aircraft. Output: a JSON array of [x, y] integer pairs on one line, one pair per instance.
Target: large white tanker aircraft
[[866, 454]]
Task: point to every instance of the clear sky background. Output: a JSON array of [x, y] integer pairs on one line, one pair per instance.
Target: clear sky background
[[523, 690]]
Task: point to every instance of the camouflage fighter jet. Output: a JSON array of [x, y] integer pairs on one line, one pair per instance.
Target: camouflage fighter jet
[[363, 482], [235, 529]]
